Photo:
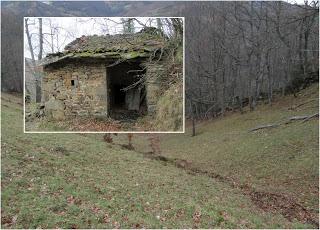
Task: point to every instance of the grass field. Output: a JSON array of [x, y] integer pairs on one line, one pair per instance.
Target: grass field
[[79, 181], [282, 160]]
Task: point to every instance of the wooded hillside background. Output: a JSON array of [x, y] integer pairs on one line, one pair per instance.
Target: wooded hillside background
[[236, 52]]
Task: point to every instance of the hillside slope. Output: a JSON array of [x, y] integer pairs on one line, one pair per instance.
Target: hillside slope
[[280, 163], [79, 181]]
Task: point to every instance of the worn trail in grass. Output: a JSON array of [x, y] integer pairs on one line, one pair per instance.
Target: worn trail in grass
[[79, 181]]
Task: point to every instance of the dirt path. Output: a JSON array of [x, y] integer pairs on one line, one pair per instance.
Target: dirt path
[[269, 202]]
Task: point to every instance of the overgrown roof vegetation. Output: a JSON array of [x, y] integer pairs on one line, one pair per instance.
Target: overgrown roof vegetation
[[125, 46]]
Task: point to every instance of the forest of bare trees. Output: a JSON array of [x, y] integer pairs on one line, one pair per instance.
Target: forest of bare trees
[[236, 53], [241, 52]]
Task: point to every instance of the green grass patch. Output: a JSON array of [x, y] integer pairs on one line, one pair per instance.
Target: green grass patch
[[79, 181], [282, 160]]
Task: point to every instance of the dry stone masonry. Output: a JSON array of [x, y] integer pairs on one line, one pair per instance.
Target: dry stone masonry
[[81, 88], [89, 77]]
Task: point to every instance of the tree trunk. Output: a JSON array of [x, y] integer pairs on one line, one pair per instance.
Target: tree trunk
[[29, 42], [193, 127], [193, 120], [40, 40]]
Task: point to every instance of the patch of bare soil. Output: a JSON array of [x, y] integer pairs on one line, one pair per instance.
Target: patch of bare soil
[[127, 116], [92, 124], [157, 157], [101, 125], [287, 206], [127, 146]]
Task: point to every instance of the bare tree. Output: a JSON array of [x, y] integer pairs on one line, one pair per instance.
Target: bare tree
[[242, 52], [29, 38], [40, 39]]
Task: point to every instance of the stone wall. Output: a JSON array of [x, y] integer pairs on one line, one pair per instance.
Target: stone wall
[[80, 86], [154, 76], [80, 89]]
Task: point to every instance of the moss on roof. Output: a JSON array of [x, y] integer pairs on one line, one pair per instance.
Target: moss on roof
[[124, 46]]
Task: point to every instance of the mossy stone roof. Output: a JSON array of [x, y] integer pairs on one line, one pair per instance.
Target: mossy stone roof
[[119, 46]]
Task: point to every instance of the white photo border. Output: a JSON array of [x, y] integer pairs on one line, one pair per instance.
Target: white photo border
[[183, 90]]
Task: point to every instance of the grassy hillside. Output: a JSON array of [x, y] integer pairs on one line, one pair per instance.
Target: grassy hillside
[[282, 159], [79, 181], [279, 162]]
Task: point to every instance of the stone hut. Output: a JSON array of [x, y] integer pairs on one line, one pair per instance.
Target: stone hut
[[102, 75]]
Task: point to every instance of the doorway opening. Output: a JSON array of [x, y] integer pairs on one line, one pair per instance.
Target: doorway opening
[[126, 101]]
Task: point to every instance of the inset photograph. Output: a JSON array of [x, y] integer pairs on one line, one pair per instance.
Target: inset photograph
[[104, 74]]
